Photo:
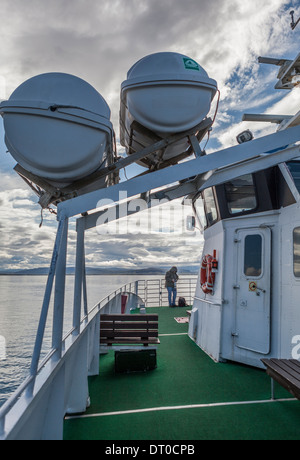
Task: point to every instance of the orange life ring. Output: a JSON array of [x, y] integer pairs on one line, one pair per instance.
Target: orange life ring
[[209, 266]]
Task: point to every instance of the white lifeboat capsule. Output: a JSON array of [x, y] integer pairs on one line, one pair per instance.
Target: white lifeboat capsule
[[165, 93], [57, 127]]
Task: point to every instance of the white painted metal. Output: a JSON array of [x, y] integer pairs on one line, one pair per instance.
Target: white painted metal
[[151, 200], [265, 118], [253, 293], [273, 145], [234, 323], [60, 388], [79, 279], [59, 300], [288, 75], [206, 316], [258, 163], [44, 312]]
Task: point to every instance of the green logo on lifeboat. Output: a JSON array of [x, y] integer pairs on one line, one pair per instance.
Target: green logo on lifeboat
[[190, 64]]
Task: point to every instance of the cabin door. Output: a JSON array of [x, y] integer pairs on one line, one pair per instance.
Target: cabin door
[[252, 312]]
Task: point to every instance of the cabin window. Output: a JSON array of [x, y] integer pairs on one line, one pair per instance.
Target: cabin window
[[294, 167], [210, 206], [200, 211], [253, 255], [240, 194], [296, 251]]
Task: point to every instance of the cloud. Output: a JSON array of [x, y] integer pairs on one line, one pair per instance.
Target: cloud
[[99, 41], [22, 243], [288, 105], [154, 251]]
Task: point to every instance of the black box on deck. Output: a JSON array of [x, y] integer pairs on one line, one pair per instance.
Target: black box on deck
[[135, 360]]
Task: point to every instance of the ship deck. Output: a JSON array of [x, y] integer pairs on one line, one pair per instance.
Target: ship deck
[[187, 397]]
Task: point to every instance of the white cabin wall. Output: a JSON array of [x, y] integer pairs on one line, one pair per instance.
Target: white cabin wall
[[205, 322], [290, 296], [219, 322], [213, 316]]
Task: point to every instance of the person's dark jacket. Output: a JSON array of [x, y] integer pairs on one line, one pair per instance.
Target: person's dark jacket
[[171, 277]]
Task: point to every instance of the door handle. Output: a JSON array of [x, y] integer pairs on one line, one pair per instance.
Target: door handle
[[260, 290]]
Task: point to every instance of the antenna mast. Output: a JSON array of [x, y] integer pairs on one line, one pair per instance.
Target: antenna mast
[[293, 23]]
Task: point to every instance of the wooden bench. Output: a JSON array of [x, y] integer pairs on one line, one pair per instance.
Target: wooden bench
[[286, 372], [125, 329]]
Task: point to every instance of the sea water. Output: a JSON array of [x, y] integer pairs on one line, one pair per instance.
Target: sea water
[[20, 307]]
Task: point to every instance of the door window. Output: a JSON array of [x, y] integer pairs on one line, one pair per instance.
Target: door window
[[253, 255], [294, 167], [296, 251]]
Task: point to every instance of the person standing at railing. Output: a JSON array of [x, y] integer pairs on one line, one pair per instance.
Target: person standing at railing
[[171, 281]]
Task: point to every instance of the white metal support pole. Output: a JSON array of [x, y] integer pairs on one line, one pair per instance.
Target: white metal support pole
[[84, 287], [59, 300], [45, 308], [79, 273]]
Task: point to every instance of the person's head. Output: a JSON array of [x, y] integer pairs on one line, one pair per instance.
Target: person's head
[[174, 269]]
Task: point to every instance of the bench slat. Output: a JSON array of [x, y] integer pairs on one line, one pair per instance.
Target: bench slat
[[292, 373], [128, 325], [130, 341], [128, 333], [286, 372], [129, 329], [120, 317], [282, 367]]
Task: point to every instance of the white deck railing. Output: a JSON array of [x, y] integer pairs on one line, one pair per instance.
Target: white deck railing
[[153, 291], [59, 384]]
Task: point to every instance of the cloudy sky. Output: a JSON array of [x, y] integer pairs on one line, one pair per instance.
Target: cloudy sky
[[99, 40]]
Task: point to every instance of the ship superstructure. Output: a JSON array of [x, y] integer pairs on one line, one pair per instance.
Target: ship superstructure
[[245, 197]]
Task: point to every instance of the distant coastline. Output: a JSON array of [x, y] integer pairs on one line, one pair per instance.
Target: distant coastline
[[42, 271]]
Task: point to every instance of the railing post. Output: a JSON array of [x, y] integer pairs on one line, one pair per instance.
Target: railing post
[[2, 426], [45, 308], [79, 271], [84, 287], [59, 300]]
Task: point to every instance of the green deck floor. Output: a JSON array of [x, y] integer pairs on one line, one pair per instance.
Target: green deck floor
[[185, 376]]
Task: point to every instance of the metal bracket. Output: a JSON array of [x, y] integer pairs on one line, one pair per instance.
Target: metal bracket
[[288, 72], [51, 195]]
